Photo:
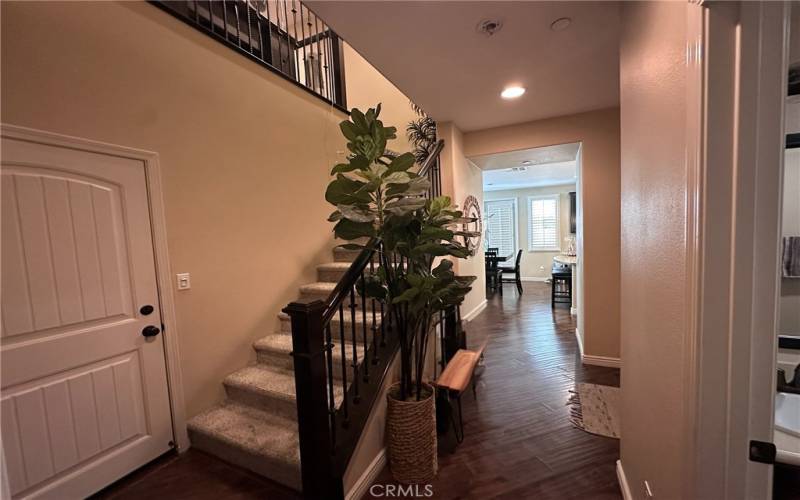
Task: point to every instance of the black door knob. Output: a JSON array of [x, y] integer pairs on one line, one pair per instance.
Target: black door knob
[[150, 331]]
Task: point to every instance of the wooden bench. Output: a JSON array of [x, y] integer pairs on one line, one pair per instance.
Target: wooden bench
[[457, 375]]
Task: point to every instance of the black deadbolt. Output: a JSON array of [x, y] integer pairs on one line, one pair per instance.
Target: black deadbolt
[[146, 310], [150, 331]]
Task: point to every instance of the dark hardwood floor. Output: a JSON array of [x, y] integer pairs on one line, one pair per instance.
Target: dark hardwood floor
[[194, 475], [519, 443]]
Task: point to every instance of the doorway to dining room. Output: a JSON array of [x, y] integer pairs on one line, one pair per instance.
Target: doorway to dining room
[[532, 222]]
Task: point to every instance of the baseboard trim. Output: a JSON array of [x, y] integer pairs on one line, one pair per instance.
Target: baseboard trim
[[589, 359], [471, 315], [580, 342], [533, 278], [623, 482], [366, 479]]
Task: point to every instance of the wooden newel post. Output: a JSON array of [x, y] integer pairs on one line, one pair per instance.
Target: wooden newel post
[[310, 378]]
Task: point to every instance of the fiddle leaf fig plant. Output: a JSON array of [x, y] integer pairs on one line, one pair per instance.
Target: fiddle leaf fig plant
[[380, 200]]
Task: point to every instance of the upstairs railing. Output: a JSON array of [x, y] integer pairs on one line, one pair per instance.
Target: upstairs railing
[[283, 35], [335, 396]]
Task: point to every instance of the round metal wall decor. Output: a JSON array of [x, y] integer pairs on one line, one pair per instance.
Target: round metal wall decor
[[472, 209]]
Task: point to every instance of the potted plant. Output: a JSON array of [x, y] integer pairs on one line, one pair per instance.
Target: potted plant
[[382, 200]]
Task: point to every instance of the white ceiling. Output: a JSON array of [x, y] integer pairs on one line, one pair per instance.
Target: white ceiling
[[549, 166], [432, 52]]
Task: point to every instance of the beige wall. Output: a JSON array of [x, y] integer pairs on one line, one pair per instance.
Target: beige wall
[[461, 178], [536, 264], [654, 255], [245, 157], [366, 87], [598, 131]]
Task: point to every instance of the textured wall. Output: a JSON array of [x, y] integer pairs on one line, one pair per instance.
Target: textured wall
[[653, 124], [245, 157]]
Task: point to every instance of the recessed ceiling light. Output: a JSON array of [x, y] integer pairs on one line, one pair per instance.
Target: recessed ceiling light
[[560, 24], [512, 92], [527, 162]]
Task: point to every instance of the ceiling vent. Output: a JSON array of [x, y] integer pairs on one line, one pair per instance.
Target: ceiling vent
[[489, 27]]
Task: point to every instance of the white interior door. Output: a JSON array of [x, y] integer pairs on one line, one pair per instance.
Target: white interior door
[[84, 392]]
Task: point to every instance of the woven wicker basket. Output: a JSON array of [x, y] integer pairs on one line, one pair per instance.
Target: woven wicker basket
[[411, 430]]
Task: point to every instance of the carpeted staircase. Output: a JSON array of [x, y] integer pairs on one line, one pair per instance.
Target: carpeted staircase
[[256, 426]]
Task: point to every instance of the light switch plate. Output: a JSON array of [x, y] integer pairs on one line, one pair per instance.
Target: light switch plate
[[184, 281]]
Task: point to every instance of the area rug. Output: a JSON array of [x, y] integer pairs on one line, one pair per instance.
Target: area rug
[[595, 409]]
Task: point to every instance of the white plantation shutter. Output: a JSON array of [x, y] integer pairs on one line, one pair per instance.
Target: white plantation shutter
[[543, 229], [501, 225]]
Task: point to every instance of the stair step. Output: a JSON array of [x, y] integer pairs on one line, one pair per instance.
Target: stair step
[[332, 271], [274, 350], [342, 255], [268, 388], [286, 324], [257, 440], [321, 290]]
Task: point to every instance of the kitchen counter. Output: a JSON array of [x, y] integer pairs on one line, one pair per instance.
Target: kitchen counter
[[566, 259]]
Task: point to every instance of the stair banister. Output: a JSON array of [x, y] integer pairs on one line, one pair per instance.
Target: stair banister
[[328, 435]]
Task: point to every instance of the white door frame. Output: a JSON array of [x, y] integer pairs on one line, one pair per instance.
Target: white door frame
[[736, 88], [160, 250]]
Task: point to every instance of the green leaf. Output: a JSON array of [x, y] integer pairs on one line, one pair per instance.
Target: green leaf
[[402, 163], [406, 296], [397, 178], [359, 120], [434, 249], [345, 191], [346, 229], [357, 162], [348, 130], [404, 205], [351, 246], [356, 214]]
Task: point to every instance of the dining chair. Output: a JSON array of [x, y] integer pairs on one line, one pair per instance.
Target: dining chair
[[492, 272], [516, 270]]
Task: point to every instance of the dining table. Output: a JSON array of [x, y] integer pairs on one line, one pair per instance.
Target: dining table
[[493, 279]]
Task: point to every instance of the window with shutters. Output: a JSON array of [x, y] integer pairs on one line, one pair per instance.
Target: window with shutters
[[544, 233], [501, 225]]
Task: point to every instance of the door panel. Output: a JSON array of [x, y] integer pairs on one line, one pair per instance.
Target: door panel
[[84, 394]]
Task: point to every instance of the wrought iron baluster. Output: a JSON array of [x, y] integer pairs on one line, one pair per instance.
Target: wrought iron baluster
[[356, 397], [326, 49], [196, 13], [318, 34], [260, 29], [294, 44], [375, 358], [225, 19], [331, 398], [441, 338], [249, 28], [303, 34], [238, 25], [211, 15], [364, 326], [344, 365], [269, 34], [288, 42]]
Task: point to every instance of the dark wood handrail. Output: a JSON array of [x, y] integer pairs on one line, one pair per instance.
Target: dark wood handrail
[[433, 155]]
